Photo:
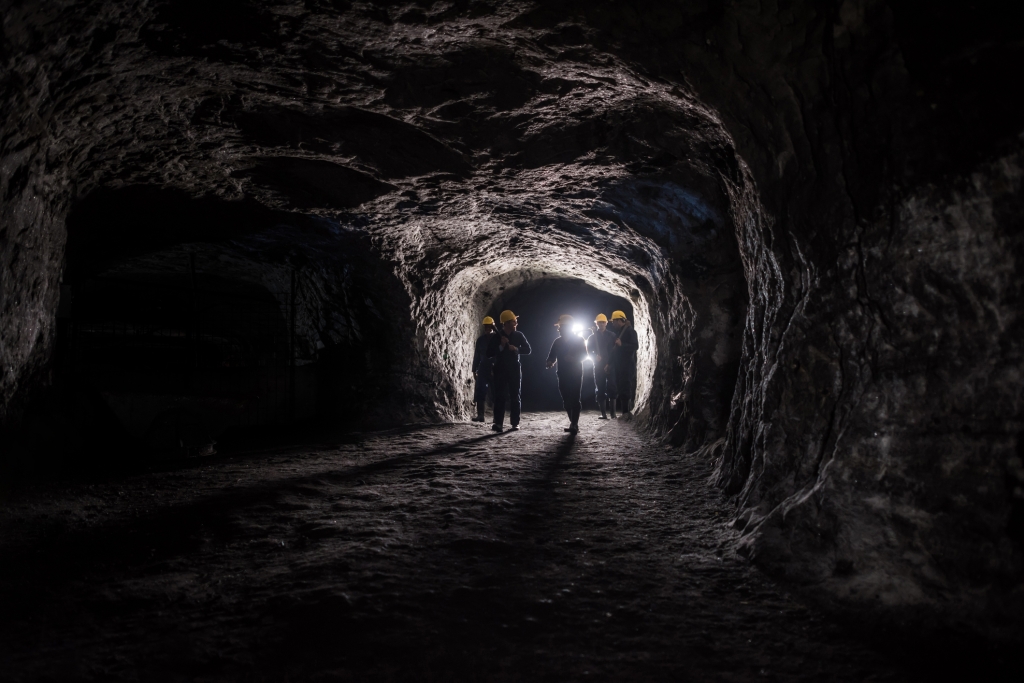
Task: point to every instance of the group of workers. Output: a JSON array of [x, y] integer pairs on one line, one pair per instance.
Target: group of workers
[[610, 345]]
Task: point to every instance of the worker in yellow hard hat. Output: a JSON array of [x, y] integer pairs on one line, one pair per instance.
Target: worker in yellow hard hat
[[568, 351], [483, 367], [505, 348], [599, 344], [623, 359]]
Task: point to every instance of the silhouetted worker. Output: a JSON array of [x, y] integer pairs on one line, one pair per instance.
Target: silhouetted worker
[[568, 351], [624, 358], [483, 367], [505, 348], [600, 346]]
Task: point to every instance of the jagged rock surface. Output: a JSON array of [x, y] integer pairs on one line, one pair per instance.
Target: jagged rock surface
[[756, 179]]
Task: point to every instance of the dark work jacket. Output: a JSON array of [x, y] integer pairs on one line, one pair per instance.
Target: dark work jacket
[[625, 356], [569, 353], [506, 361], [600, 344], [482, 363]]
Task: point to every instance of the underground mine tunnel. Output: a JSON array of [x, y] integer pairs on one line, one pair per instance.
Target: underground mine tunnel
[[245, 252]]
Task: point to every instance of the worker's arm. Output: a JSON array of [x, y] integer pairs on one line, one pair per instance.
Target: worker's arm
[[551, 355], [630, 340], [524, 346]]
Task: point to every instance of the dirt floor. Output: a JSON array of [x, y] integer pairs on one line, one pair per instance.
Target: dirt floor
[[441, 553]]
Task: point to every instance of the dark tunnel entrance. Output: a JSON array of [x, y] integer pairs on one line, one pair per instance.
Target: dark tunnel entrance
[[176, 358], [538, 304], [164, 347]]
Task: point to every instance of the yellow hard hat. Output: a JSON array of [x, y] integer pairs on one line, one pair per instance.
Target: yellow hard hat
[[601, 318], [506, 316], [618, 315], [565, 320], [488, 320]]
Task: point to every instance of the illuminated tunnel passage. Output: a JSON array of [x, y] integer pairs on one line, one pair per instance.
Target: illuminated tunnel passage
[[538, 304]]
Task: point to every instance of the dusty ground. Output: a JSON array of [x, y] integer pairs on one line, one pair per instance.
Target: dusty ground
[[435, 553]]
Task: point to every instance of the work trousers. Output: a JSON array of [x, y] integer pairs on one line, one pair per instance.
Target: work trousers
[[483, 382], [624, 385], [508, 389], [605, 384], [570, 387]]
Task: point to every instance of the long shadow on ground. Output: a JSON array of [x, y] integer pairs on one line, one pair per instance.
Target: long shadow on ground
[[178, 529]]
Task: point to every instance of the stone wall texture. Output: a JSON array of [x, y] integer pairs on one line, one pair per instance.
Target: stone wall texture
[[815, 209]]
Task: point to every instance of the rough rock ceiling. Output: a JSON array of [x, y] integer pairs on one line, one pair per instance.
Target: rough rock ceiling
[[464, 140]]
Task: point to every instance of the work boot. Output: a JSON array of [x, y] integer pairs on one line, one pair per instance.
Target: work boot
[[574, 428], [479, 413], [603, 402], [514, 428], [497, 428], [611, 407]]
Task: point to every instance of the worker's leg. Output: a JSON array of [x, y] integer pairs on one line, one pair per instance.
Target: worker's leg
[[515, 397], [599, 383], [612, 392], [576, 404], [500, 394], [480, 396]]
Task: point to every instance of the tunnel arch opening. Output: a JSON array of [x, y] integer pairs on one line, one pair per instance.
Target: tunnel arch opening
[[675, 255], [494, 292]]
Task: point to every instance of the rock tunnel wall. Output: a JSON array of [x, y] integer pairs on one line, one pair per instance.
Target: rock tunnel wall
[[755, 177], [875, 420]]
